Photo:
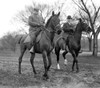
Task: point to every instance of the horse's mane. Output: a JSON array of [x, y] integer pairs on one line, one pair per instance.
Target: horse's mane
[[48, 22], [80, 20]]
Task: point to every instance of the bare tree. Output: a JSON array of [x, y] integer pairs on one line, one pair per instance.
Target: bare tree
[[83, 5], [8, 41], [45, 11], [22, 16]]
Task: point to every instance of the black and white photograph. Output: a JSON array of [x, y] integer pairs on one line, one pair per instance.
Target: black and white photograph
[[49, 44]]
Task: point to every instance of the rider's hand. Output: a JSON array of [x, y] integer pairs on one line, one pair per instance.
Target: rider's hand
[[42, 27]]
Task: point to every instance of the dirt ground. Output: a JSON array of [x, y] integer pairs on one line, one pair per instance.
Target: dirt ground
[[88, 77]]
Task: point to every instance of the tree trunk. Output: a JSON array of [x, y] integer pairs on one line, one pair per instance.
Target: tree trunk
[[95, 44], [90, 44]]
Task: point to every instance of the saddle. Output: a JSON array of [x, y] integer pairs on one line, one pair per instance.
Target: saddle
[[28, 38], [39, 37]]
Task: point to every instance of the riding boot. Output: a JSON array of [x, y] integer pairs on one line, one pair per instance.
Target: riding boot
[[33, 40], [32, 48]]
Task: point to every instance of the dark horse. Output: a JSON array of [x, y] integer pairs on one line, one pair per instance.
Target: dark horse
[[73, 43], [45, 45]]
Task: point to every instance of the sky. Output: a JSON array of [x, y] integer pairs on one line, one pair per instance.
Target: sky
[[9, 8]]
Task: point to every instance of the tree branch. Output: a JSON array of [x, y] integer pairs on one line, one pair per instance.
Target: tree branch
[[81, 14], [88, 13], [93, 5], [98, 30], [95, 15], [77, 4]]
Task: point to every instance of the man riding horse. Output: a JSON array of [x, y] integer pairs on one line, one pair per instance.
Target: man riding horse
[[36, 23], [68, 27]]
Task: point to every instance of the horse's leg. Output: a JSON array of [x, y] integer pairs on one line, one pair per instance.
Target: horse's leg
[[49, 61], [77, 62], [44, 54], [57, 52], [64, 56], [74, 59], [32, 62], [23, 49]]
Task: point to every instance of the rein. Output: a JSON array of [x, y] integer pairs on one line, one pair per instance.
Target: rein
[[47, 35], [47, 29], [53, 31]]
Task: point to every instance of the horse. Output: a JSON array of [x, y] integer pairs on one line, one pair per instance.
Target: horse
[[72, 45], [44, 46]]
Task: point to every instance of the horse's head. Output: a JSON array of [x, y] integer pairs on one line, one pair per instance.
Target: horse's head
[[54, 23], [84, 26]]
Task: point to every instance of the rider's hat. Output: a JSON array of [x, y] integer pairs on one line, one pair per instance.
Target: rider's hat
[[36, 9], [69, 17]]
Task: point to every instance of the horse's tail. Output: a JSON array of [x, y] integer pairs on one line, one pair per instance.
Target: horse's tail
[[19, 40], [60, 44]]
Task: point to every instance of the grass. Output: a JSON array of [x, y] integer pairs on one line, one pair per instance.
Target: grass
[[88, 77]]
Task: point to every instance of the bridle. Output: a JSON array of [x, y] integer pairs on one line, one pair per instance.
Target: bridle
[[53, 31], [86, 27]]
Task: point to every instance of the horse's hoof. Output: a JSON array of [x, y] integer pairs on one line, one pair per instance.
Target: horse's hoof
[[58, 66], [45, 77], [73, 71], [35, 73], [65, 62], [20, 73]]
